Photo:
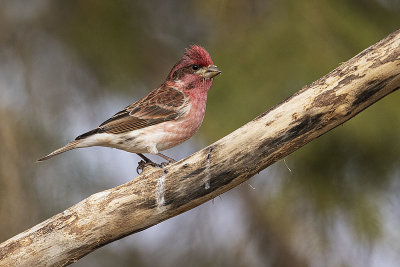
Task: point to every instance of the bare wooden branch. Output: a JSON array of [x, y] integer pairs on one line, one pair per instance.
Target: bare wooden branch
[[159, 194]]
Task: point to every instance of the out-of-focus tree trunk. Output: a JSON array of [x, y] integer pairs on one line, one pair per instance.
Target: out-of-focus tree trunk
[[159, 194]]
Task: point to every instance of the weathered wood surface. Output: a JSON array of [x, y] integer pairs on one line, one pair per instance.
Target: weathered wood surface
[[158, 194]]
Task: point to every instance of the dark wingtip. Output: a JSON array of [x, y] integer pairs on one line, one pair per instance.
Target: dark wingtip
[[92, 132]]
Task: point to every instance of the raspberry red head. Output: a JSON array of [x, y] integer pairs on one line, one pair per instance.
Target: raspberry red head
[[197, 55], [194, 59]]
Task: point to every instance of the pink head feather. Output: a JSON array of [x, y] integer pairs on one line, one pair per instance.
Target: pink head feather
[[195, 55]]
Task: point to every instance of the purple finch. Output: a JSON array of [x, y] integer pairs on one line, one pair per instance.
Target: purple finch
[[166, 117]]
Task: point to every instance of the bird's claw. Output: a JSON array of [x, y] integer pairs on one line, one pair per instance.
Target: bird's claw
[[140, 166], [143, 164]]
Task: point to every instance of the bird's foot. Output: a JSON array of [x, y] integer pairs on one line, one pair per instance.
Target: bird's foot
[[143, 164], [147, 162]]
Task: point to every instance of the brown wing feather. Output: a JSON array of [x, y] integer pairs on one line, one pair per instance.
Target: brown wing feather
[[162, 104]]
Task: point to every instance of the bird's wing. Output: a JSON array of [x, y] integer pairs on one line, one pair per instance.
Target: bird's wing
[[163, 104]]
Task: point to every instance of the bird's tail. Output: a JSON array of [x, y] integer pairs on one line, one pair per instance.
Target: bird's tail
[[72, 145]]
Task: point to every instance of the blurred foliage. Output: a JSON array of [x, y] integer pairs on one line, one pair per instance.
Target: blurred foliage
[[57, 56]]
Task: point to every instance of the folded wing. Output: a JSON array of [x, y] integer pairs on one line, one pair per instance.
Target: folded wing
[[161, 105]]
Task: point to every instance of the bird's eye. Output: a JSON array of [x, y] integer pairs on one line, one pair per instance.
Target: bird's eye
[[195, 67]]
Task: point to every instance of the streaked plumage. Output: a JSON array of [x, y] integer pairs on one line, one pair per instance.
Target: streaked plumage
[[166, 117]]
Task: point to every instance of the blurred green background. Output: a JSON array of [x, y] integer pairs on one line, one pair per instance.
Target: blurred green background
[[66, 66]]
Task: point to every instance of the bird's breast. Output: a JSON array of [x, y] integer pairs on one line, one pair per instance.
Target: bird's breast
[[183, 128]]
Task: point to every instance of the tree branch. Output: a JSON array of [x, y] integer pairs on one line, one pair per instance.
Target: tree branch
[[159, 194]]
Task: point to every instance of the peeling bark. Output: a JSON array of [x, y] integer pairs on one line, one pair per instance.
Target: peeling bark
[[159, 194]]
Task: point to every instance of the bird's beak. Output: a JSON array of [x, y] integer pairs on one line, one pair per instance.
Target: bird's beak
[[211, 71]]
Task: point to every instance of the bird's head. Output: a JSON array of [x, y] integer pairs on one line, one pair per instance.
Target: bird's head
[[195, 67]]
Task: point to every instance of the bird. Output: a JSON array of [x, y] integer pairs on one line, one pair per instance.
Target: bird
[[164, 118]]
